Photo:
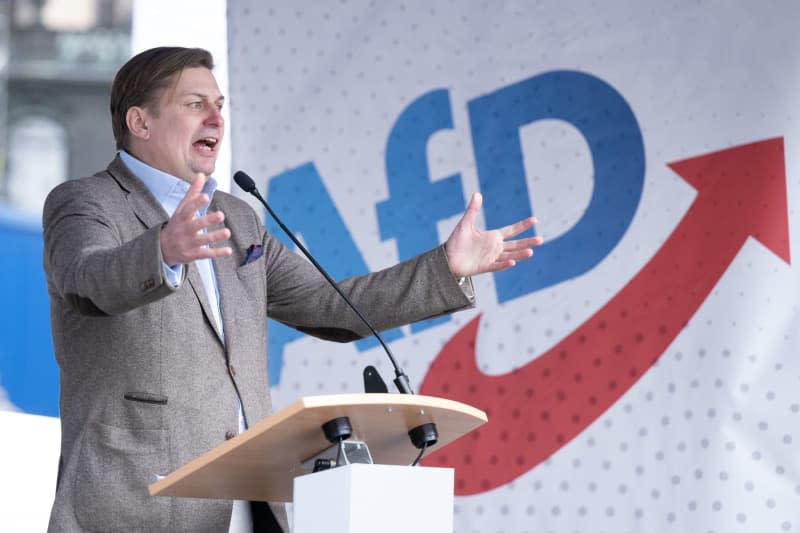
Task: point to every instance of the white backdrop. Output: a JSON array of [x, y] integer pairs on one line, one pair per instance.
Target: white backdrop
[[349, 113]]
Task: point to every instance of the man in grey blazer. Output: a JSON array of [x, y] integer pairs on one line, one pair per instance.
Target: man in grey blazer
[[159, 286]]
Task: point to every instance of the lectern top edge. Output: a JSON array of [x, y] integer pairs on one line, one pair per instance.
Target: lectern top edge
[[387, 400]]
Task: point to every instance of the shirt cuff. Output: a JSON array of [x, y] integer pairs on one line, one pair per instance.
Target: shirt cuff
[[173, 275], [465, 284]]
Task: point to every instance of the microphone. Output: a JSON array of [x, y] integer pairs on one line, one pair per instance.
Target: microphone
[[247, 184]]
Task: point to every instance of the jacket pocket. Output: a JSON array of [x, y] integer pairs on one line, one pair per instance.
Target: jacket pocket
[[252, 268], [145, 397], [115, 467]]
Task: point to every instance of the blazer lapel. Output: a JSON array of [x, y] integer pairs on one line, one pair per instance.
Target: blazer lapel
[[142, 202], [225, 271], [196, 282]]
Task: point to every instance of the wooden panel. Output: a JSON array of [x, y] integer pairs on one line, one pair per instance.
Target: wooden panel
[[261, 463]]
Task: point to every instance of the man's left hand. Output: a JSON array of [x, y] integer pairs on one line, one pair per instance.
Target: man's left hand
[[471, 251]]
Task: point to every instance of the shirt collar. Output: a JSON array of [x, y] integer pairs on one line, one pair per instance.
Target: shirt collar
[[166, 188]]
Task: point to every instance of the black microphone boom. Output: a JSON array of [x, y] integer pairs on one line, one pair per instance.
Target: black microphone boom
[[247, 184]]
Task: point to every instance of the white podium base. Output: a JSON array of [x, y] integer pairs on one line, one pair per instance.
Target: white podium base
[[363, 498]]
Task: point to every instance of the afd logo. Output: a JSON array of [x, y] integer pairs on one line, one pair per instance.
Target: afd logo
[[416, 202], [538, 408]]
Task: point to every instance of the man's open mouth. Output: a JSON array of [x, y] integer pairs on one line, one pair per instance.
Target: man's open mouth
[[206, 143]]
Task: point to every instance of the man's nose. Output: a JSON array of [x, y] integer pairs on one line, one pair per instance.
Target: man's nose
[[214, 118]]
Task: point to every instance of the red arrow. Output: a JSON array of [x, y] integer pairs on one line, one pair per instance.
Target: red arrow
[[537, 409]]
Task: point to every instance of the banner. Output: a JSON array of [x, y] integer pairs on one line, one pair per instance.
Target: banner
[[640, 372]]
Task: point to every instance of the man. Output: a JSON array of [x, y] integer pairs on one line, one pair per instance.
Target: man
[[159, 286]]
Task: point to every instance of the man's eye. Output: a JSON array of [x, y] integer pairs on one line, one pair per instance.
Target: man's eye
[[195, 105]]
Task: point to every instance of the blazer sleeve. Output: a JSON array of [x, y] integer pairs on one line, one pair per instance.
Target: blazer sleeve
[[417, 289], [88, 260]]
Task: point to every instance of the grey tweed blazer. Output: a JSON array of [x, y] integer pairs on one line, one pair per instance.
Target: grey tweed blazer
[[147, 382]]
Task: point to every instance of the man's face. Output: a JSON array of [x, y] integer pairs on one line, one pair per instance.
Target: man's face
[[185, 131]]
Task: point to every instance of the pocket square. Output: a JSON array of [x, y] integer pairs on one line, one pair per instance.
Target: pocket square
[[254, 251]]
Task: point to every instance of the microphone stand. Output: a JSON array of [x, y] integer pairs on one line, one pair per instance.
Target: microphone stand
[[247, 184]]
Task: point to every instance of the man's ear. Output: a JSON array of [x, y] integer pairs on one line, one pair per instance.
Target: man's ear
[[136, 120]]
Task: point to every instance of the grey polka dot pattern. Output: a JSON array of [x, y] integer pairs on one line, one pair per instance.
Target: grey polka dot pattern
[[706, 440]]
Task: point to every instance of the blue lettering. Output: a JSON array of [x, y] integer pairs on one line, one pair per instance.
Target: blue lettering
[[607, 122], [416, 203], [300, 198]]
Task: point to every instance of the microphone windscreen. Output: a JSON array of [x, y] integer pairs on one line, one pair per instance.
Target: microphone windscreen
[[244, 181]]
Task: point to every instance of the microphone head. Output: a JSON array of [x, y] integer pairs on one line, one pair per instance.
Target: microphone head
[[244, 181]]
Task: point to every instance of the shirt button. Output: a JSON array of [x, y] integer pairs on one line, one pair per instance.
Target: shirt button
[[232, 370], [229, 435]]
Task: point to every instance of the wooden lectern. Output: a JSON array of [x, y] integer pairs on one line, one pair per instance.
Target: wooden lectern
[[262, 463]]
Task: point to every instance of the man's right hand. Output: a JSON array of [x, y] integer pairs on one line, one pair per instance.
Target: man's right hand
[[183, 239]]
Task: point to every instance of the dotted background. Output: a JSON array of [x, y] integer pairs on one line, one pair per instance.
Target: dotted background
[[705, 441]]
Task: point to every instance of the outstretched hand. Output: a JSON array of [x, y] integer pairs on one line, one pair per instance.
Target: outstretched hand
[[185, 238], [471, 251]]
